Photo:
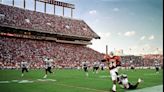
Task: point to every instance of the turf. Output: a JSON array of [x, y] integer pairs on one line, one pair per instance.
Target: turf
[[74, 80]]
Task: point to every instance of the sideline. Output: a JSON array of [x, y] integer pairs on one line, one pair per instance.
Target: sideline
[[158, 88]]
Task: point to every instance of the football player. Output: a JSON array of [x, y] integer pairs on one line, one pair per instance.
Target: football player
[[102, 66], [124, 83], [156, 66], [85, 67], [24, 66], [113, 62], [96, 66], [132, 67], [48, 65]]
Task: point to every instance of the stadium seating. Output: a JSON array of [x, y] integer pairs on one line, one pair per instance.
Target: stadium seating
[[33, 51], [41, 22], [66, 55], [141, 61]]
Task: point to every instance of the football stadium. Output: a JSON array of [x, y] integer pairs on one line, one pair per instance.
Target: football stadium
[[42, 52]]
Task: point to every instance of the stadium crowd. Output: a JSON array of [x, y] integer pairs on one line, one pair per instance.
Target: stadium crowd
[[142, 61], [132, 60], [15, 50], [37, 21], [149, 60]]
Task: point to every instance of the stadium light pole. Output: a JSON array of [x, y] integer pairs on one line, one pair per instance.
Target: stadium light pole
[[106, 49], [34, 5], [63, 10], [44, 7], [24, 4], [54, 9], [71, 12], [13, 2]]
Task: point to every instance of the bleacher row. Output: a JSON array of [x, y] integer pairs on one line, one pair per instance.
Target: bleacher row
[[41, 22], [142, 61], [15, 50]]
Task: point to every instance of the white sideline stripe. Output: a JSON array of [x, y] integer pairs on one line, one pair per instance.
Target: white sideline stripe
[[4, 82], [97, 90], [158, 88], [41, 80], [46, 80], [25, 81], [14, 80]]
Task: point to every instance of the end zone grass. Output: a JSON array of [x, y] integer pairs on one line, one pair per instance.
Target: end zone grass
[[73, 80]]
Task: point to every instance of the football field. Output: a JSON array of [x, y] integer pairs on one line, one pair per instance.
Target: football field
[[73, 80]]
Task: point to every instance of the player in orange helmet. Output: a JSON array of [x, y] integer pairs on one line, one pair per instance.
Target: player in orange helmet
[[113, 63]]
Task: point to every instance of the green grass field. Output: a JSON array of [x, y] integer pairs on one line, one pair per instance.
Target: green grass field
[[73, 81]]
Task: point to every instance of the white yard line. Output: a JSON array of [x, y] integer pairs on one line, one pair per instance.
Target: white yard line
[[4, 81]]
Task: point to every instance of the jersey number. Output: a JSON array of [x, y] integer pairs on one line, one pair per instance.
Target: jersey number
[[112, 64]]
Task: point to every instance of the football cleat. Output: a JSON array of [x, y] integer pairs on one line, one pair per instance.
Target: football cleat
[[139, 80]]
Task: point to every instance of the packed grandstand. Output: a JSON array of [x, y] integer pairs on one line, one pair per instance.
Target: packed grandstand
[[31, 35]]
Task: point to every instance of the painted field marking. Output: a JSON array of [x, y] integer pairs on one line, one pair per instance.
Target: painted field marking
[[4, 81], [46, 80], [41, 80], [14, 80], [25, 81]]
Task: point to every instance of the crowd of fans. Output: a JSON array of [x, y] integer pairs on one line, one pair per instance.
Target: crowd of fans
[[142, 61], [149, 60], [132, 60], [15, 50], [32, 20]]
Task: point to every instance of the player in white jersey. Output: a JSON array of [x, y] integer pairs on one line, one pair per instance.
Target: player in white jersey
[[96, 66], [24, 66], [124, 82], [48, 65], [157, 65], [102, 66], [132, 67], [85, 67]]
